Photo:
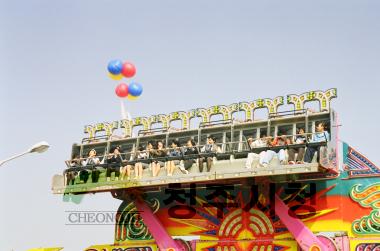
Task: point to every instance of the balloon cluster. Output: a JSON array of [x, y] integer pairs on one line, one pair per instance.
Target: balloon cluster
[[117, 70]]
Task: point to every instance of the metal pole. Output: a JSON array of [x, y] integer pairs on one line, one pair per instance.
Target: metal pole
[[13, 157], [303, 235], [160, 235]]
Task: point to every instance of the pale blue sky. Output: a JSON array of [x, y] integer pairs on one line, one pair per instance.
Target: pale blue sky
[[188, 54]]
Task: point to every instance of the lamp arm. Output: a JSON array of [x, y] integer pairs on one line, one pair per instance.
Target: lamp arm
[[13, 157]]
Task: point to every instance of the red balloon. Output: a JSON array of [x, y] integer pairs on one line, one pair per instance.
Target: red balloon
[[128, 70], [122, 90]]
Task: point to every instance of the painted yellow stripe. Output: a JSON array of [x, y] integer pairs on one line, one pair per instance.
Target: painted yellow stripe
[[45, 249]]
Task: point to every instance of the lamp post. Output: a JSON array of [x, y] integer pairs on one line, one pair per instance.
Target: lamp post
[[37, 148]]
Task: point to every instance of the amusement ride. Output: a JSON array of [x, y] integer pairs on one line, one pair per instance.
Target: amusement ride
[[248, 196]]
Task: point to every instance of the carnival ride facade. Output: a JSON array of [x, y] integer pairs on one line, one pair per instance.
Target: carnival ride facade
[[332, 203]]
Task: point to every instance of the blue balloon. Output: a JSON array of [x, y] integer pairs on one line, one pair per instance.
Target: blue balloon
[[135, 89], [115, 66]]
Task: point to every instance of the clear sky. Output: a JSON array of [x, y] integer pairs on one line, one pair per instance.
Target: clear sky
[[188, 54]]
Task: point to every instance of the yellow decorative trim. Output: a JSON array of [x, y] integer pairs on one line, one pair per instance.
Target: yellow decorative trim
[[205, 114], [324, 99]]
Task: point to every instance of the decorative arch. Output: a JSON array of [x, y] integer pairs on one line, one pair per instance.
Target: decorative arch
[[90, 130], [226, 111], [161, 118], [184, 117], [190, 114], [106, 127], [204, 114], [271, 104], [324, 99], [247, 108], [141, 121], [129, 124], [232, 108]]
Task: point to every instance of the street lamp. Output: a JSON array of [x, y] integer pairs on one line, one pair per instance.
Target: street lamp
[[37, 148]]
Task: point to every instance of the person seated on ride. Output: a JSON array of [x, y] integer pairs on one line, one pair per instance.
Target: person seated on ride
[[70, 175], [114, 163], [300, 138], [126, 170], [210, 147], [190, 149], [320, 136], [140, 154], [175, 151], [268, 156], [158, 152], [258, 143], [91, 160]]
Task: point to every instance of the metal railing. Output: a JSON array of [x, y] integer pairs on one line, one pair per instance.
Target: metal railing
[[231, 149], [232, 146], [215, 123], [152, 131], [287, 113], [95, 139]]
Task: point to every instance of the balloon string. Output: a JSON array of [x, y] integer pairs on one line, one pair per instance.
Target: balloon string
[[124, 113]]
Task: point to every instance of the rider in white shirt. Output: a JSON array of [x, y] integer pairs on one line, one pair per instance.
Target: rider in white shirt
[[258, 143]]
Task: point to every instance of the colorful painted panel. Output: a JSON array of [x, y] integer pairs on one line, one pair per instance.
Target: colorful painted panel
[[368, 247], [236, 218], [129, 224], [121, 248], [357, 164], [367, 197]]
